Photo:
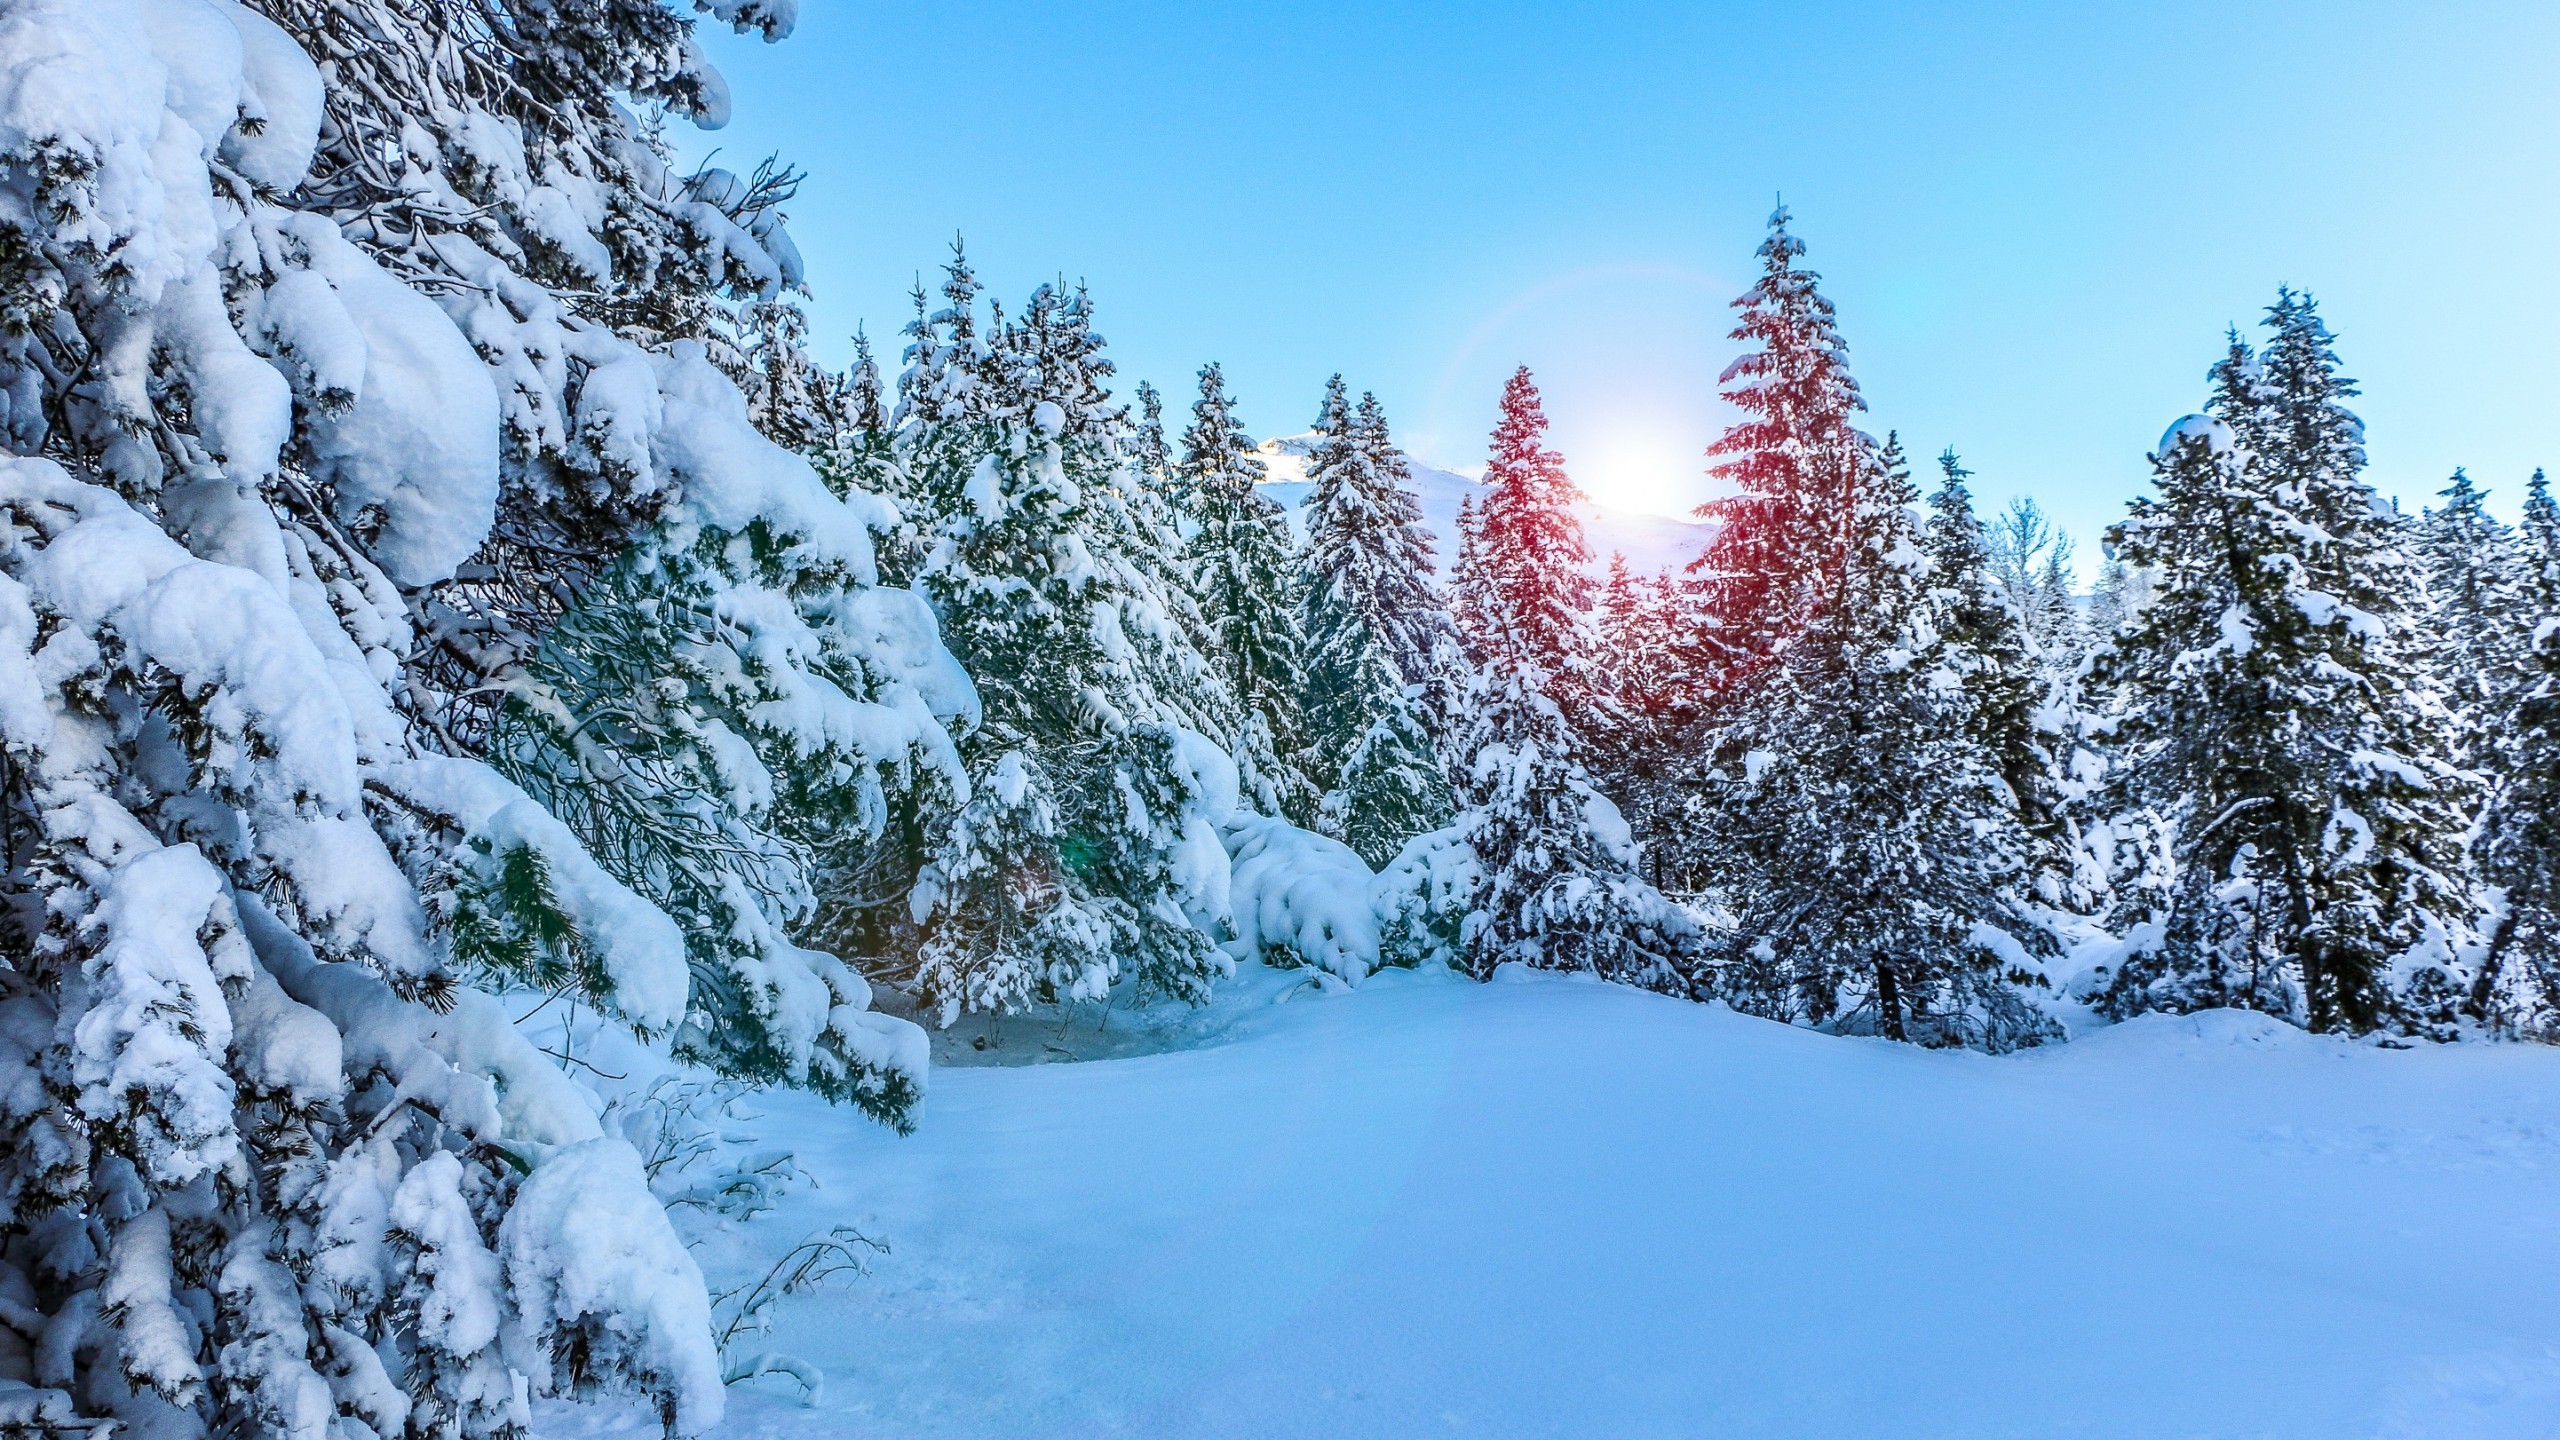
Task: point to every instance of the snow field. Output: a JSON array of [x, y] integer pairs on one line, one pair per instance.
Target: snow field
[[1560, 1208]]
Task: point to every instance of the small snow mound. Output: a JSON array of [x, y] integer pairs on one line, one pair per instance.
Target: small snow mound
[[2203, 1030], [1514, 972]]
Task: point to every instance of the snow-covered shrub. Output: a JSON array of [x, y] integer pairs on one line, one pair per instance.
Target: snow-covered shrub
[[1300, 898], [305, 446], [1424, 900]]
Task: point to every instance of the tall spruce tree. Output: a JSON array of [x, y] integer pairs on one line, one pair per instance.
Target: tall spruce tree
[[1240, 568], [1371, 620], [2474, 616], [2538, 538], [2517, 989], [1868, 849], [1795, 463], [2003, 694], [1522, 582], [2271, 720]]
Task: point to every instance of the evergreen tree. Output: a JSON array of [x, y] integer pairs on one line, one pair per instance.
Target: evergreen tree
[[792, 400], [2517, 988], [1390, 785], [329, 389], [2539, 540], [1154, 456], [1981, 619], [2271, 721], [1556, 884], [1077, 861], [1081, 854], [741, 727], [862, 457], [1240, 566], [1522, 587], [1795, 464], [1631, 715], [2474, 616], [1867, 847], [1371, 620]]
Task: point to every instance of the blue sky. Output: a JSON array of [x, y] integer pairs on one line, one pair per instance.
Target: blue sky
[[2036, 219]]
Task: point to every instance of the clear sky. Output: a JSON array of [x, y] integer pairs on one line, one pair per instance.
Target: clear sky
[[2035, 218]]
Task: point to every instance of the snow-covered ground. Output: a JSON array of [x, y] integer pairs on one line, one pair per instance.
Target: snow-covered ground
[[1553, 1208], [1650, 542]]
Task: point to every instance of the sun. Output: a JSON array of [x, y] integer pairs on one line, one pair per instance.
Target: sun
[[1637, 461]]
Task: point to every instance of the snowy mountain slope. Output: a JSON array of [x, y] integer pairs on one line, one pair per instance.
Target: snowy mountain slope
[[1557, 1208], [1650, 542]]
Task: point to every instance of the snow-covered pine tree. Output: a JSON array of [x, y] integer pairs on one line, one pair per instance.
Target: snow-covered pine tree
[[1521, 578], [793, 401], [862, 456], [2271, 723], [1867, 847], [1083, 855], [1795, 462], [1154, 456], [1371, 621], [1241, 568], [743, 726], [2538, 544], [1556, 882], [1553, 875], [2517, 989], [323, 400], [1633, 716], [1979, 616], [2474, 616]]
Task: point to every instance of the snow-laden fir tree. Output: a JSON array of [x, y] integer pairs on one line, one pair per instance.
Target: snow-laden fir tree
[[1522, 589], [1633, 715], [1241, 567], [1555, 872], [1084, 853], [1372, 620], [742, 725], [2517, 989], [1795, 463], [1865, 843], [2281, 758], [325, 394], [2004, 696], [2473, 616], [1551, 875], [2538, 547], [861, 457], [1368, 557], [793, 401]]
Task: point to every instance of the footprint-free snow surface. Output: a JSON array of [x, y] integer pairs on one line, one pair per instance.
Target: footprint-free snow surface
[[1552, 1208]]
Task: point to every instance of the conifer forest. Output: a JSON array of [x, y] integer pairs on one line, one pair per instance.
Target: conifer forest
[[574, 869]]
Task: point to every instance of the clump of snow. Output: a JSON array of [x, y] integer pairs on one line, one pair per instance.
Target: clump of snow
[[2216, 436], [1301, 899], [602, 1284]]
